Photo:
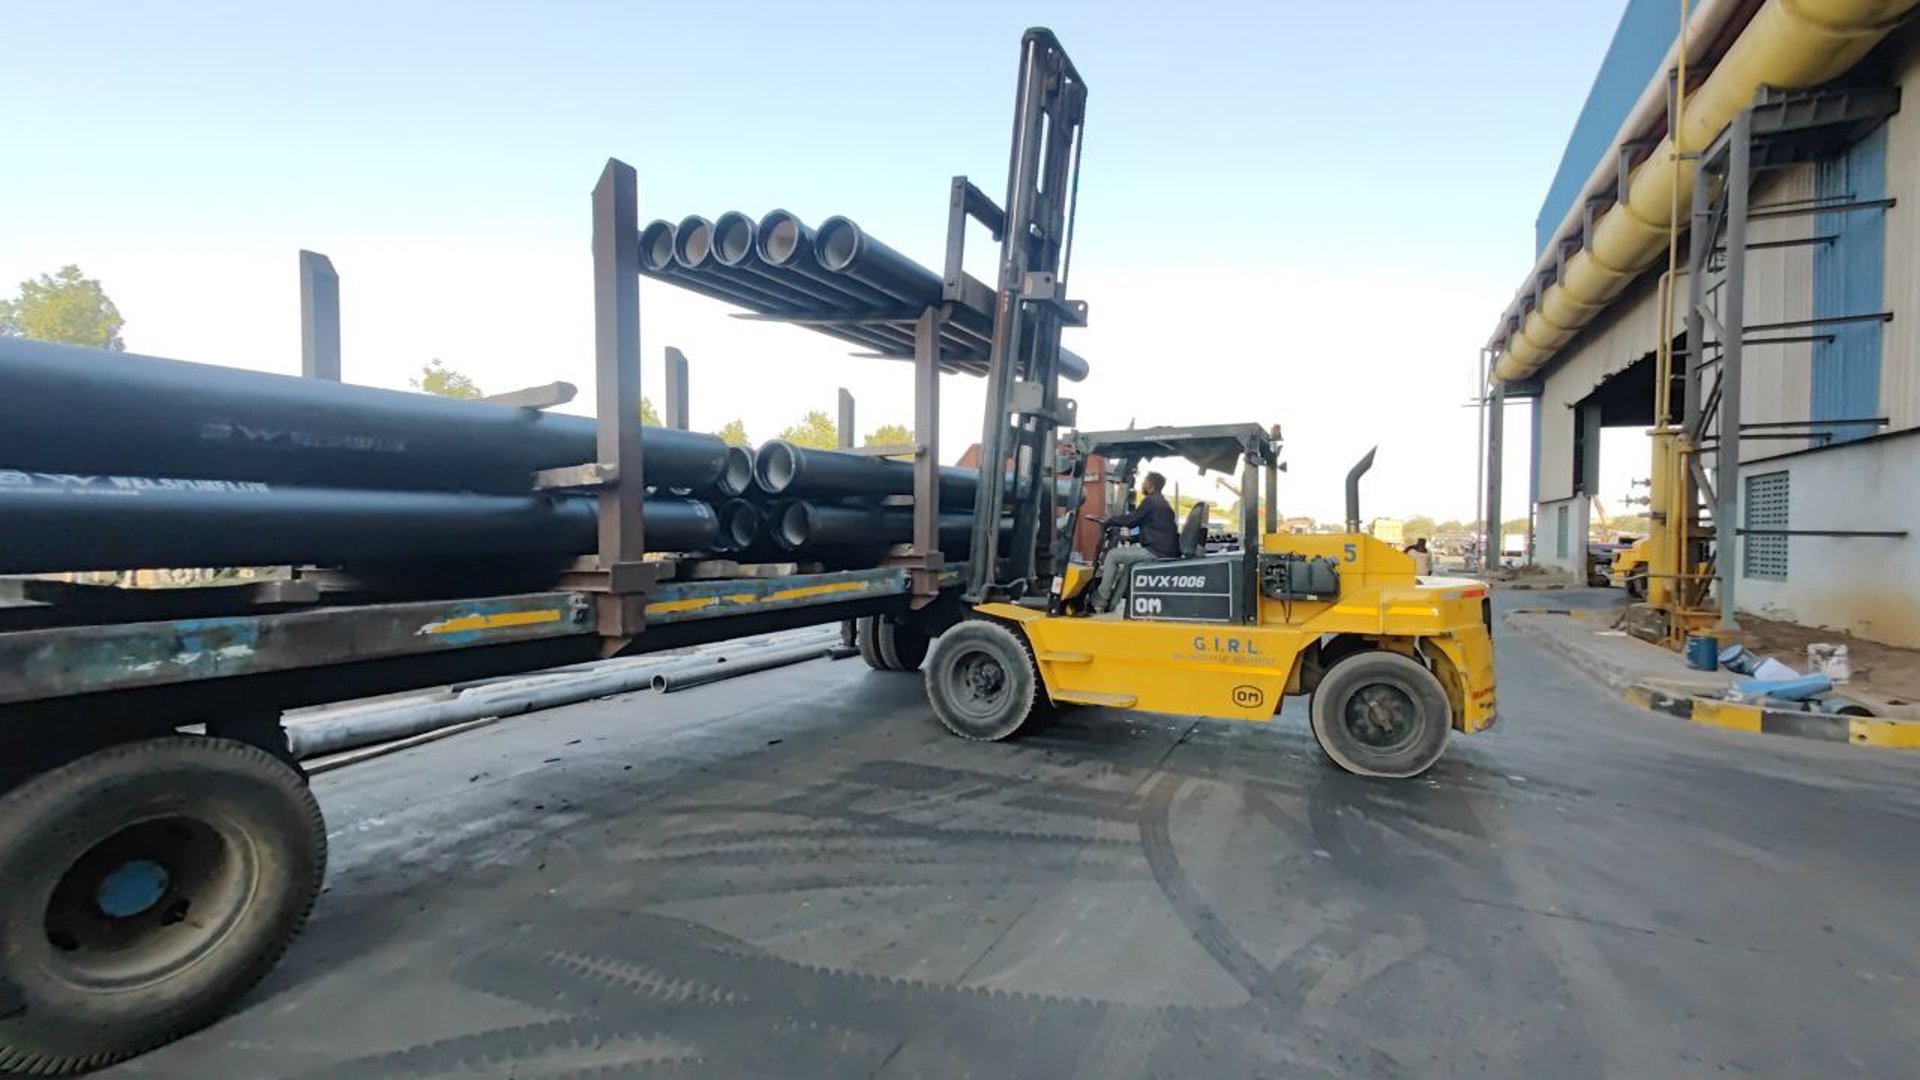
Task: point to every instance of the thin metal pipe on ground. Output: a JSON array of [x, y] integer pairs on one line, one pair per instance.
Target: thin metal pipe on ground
[[687, 676], [323, 735]]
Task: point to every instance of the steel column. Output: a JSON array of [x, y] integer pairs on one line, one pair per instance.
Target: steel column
[[616, 325], [1496, 408], [849, 628], [1732, 319], [319, 317], [1480, 444], [926, 459], [1700, 242], [676, 389]]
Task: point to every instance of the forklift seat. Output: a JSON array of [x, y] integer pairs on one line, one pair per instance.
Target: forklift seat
[[1193, 531]]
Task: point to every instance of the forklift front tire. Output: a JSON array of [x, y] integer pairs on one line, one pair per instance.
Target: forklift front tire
[[981, 681], [1381, 714]]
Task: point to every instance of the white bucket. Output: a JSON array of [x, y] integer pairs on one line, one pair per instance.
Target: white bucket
[[1831, 661]]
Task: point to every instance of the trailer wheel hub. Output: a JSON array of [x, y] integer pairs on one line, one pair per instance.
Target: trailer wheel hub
[[131, 888], [148, 901]]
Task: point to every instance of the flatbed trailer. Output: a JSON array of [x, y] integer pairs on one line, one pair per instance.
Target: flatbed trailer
[[159, 847]]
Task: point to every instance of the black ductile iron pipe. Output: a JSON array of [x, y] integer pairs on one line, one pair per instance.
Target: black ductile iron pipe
[[842, 247], [736, 476], [781, 468], [1353, 489], [784, 242], [684, 254], [733, 240], [69, 409], [63, 523], [741, 526], [805, 525]]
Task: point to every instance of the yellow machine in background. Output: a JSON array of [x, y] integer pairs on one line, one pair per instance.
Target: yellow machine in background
[[1393, 661]]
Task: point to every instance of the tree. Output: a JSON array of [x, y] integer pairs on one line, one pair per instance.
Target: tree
[[734, 434], [1417, 526], [64, 307], [816, 430], [889, 435], [649, 416], [437, 378]]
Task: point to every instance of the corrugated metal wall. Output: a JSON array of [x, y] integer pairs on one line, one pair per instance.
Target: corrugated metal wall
[[1900, 345], [1849, 276], [1774, 378]]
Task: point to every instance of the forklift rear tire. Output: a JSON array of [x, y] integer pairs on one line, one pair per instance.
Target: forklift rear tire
[[1381, 714], [1637, 587], [148, 886], [981, 680]]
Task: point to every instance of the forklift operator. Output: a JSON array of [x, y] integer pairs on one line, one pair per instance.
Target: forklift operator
[[1159, 539]]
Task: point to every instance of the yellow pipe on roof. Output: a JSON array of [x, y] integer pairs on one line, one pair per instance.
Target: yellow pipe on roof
[[1790, 44]]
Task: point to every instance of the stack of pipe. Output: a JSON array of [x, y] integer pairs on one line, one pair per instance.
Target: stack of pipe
[[113, 461], [838, 281]]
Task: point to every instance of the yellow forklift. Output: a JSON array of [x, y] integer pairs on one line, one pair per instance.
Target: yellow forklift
[[1393, 661]]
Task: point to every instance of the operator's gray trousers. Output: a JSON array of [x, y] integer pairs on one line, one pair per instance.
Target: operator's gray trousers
[[1115, 571]]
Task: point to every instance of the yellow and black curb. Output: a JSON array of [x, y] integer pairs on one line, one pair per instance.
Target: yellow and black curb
[[1737, 716]]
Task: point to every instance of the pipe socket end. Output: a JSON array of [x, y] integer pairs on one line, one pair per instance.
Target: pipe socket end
[[733, 238], [781, 237], [837, 243], [774, 466], [656, 246], [693, 241]]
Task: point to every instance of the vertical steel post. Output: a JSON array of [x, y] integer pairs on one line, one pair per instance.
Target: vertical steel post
[[616, 353], [849, 628], [926, 458], [1480, 445], [319, 317], [676, 389], [1699, 246], [1726, 480], [1496, 407], [1273, 480]]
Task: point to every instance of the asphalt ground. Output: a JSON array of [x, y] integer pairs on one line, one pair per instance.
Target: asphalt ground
[[799, 874]]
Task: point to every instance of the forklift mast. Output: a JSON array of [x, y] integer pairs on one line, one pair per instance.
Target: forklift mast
[[1024, 411]]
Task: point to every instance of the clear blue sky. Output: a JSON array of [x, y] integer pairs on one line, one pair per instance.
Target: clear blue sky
[[1293, 212]]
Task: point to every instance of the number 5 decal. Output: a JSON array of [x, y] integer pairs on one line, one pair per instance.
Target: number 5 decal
[[1352, 552]]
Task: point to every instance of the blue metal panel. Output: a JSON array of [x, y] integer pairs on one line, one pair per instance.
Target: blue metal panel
[[1848, 279], [1646, 30]]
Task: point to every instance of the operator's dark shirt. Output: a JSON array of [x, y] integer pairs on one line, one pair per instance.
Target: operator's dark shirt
[[1158, 533]]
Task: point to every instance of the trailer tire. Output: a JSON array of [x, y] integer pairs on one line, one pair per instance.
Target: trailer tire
[[866, 633], [902, 644], [1381, 714], [106, 856], [981, 680]]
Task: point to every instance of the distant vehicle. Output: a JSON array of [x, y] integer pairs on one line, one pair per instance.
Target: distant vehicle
[[1629, 568]]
